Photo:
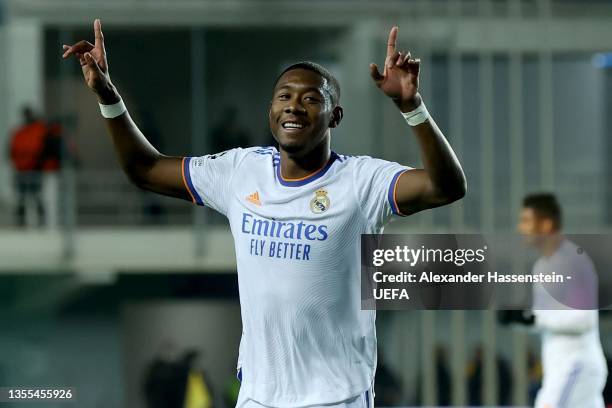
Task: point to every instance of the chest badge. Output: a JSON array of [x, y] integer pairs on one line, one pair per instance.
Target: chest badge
[[320, 203]]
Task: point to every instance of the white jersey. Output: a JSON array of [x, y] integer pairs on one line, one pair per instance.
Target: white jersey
[[305, 339], [571, 348]]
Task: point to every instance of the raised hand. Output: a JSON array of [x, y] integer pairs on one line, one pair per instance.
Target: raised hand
[[94, 65], [400, 77]]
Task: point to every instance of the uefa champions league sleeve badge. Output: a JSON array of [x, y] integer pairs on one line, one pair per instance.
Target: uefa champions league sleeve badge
[[320, 203]]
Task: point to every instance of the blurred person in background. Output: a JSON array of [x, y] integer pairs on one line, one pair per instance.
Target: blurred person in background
[[567, 316], [443, 376], [297, 214], [443, 379], [475, 378], [164, 386], [58, 152], [51, 156], [26, 152], [197, 393], [534, 367]]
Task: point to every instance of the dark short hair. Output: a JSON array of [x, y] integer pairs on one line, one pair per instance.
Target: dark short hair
[[332, 82], [545, 205]]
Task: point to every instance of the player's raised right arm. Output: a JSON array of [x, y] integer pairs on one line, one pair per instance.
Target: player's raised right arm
[[143, 164]]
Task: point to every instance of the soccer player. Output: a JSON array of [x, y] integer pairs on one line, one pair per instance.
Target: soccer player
[[296, 214], [574, 365]]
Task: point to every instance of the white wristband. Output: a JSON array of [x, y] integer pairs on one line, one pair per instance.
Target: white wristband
[[417, 116], [114, 110]]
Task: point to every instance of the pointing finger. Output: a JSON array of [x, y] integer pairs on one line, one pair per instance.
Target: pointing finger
[[391, 41], [98, 34]]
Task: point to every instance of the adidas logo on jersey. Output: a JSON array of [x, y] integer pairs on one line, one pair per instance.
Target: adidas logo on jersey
[[254, 198]]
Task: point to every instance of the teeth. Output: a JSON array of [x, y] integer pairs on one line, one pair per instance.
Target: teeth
[[293, 125]]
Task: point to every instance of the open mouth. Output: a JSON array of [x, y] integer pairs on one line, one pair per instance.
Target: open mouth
[[293, 126]]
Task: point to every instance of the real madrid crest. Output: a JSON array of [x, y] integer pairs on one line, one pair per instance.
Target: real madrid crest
[[320, 203]]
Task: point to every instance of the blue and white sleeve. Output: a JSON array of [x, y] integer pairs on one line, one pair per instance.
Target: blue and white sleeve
[[376, 183], [207, 178]]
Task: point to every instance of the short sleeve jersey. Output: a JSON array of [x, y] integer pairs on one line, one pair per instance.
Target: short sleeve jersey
[[305, 339], [567, 315]]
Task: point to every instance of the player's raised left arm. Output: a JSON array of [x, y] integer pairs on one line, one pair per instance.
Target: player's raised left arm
[[442, 180]]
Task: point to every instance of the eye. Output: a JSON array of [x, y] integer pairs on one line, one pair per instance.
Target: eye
[[312, 99], [283, 96]]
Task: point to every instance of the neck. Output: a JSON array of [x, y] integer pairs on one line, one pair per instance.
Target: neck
[[551, 244], [294, 166]]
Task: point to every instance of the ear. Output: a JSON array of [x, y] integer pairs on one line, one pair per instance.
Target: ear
[[548, 227], [336, 117]]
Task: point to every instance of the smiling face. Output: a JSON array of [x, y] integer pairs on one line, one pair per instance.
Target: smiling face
[[301, 111]]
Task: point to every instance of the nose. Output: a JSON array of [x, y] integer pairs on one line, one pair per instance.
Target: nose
[[294, 106]]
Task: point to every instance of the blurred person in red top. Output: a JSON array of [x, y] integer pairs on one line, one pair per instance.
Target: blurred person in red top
[[53, 149], [26, 147]]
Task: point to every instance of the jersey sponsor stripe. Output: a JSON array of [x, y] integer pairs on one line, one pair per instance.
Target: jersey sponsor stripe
[[392, 192], [195, 197]]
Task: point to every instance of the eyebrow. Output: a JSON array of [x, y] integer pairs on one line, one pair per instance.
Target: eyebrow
[[309, 89]]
